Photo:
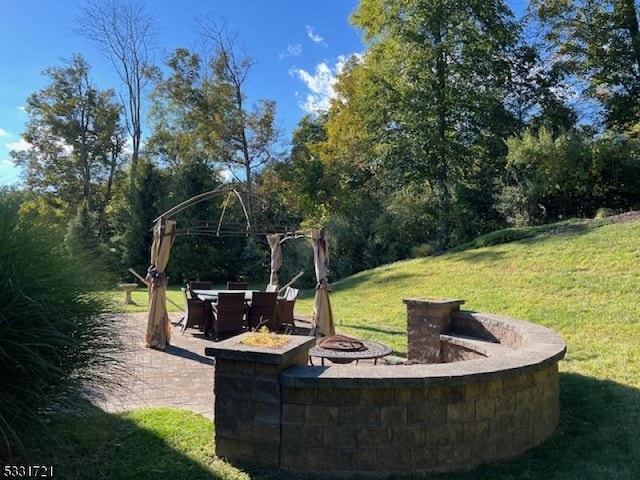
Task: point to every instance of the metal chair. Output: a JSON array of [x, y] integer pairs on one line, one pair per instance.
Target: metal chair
[[263, 310], [228, 314], [237, 285]]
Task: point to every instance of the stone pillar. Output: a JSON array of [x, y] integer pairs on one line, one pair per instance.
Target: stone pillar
[[426, 320], [247, 408]]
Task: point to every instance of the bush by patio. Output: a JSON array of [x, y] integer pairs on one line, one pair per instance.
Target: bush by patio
[[56, 341]]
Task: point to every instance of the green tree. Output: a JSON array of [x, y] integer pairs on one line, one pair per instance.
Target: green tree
[[597, 42], [436, 73], [199, 115], [76, 140], [551, 177]]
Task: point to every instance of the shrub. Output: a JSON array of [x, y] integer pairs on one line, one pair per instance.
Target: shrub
[[56, 341]]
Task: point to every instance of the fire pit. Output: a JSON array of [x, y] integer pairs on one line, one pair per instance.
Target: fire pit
[[343, 349]]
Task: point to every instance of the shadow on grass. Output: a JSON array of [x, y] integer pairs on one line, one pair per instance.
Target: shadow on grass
[[597, 438], [135, 445]]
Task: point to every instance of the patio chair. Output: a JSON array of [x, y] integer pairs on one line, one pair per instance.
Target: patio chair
[[237, 285], [263, 310], [195, 312], [197, 285], [284, 315], [228, 314], [291, 293]]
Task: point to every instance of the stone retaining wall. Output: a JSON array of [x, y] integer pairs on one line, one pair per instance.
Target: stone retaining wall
[[273, 409]]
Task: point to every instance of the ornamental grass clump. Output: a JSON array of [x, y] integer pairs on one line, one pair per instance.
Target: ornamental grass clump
[[57, 341], [263, 338]]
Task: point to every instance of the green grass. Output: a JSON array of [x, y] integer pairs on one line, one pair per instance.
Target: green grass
[[583, 283]]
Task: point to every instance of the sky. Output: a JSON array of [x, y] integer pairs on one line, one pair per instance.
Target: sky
[[299, 47]]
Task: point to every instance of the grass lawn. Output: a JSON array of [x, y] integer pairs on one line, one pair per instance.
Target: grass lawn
[[583, 283]]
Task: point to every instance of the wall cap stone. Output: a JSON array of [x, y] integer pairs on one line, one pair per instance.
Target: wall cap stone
[[233, 349], [540, 348]]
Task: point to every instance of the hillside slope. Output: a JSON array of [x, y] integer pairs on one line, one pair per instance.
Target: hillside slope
[[581, 282]]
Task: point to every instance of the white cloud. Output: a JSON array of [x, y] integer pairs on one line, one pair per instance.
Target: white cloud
[[320, 85], [3, 132], [19, 146], [315, 38], [291, 51]]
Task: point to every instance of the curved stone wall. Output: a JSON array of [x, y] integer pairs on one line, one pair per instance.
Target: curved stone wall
[[488, 392]]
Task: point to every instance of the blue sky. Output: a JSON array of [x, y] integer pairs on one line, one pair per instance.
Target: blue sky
[[298, 45]]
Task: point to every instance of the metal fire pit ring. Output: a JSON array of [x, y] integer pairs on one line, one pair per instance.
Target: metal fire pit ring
[[372, 350]]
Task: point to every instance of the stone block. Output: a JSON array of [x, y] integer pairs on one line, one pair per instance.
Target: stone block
[[432, 415], [411, 396], [340, 397], [505, 404], [299, 396], [340, 437], [359, 416], [267, 413], [301, 436], [461, 412], [323, 458], [379, 437], [447, 394], [456, 455], [483, 390], [317, 415], [293, 414], [484, 409], [376, 396], [408, 436], [393, 415]]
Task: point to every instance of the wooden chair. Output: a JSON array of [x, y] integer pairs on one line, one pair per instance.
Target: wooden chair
[[263, 310], [228, 314], [195, 312], [237, 285]]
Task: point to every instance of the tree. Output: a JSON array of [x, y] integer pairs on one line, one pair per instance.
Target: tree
[[125, 32], [436, 73], [247, 138], [76, 140], [597, 42], [199, 114]]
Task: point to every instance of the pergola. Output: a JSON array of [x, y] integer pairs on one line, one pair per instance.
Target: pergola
[[164, 234]]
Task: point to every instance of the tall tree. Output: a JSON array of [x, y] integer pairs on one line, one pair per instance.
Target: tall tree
[[125, 32], [437, 71], [76, 139], [598, 43], [200, 113], [247, 136]]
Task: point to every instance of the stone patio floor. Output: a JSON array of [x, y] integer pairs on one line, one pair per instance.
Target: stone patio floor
[[181, 376]]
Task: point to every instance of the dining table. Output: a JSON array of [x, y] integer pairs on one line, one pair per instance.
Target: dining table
[[212, 295]]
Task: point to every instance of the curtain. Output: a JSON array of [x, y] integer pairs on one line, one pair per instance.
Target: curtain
[[276, 257], [158, 326], [322, 322]]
